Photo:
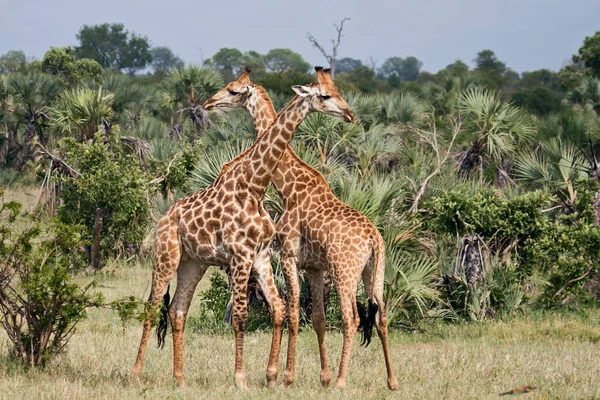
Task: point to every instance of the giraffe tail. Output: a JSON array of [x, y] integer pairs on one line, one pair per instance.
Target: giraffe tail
[[163, 322], [368, 317], [367, 321]]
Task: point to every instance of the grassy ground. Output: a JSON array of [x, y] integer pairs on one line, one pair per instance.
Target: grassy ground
[[556, 353]]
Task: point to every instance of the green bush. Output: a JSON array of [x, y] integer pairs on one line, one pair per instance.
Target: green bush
[[40, 306]]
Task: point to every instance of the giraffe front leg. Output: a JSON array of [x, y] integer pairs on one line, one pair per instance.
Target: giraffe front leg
[[265, 279], [240, 273], [315, 279], [290, 272], [189, 274]]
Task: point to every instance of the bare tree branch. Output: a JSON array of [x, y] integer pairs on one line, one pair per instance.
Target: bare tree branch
[[335, 44], [431, 138]]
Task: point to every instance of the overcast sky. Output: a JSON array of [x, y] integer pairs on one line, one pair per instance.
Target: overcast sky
[[525, 34]]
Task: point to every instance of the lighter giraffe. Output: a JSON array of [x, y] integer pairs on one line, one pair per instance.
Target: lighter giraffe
[[317, 233], [227, 225]]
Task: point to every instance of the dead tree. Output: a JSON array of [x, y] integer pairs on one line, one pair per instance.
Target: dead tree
[[335, 42]]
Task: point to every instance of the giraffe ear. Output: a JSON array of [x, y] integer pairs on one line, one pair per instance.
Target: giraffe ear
[[301, 90]]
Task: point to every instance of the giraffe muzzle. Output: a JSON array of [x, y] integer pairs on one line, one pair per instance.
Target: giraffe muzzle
[[349, 117]]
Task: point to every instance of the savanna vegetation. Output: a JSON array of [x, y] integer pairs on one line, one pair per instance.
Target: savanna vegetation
[[484, 183]]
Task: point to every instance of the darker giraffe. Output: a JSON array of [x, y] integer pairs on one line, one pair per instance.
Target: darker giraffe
[[317, 233], [227, 225]]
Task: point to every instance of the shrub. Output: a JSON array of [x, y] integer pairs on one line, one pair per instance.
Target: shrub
[[40, 306]]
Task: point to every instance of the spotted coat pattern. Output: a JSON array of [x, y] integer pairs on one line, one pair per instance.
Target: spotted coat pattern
[[318, 233], [227, 225]]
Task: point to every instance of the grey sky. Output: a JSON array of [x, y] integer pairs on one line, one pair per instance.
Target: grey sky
[[526, 34]]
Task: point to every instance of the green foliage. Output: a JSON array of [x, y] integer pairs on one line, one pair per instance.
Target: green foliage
[[112, 46], [539, 100], [397, 69], [40, 306], [163, 59], [589, 53], [282, 60], [282, 82], [512, 223], [13, 61], [185, 90], [80, 111], [489, 71], [569, 250], [60, 61], [110, 181]]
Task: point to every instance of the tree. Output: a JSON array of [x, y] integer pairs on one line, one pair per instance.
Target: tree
[[229, 61], [539, 78], [112, 46], [489, 69], [13, 61], [81, 111], [589, 53], [163, 59], [107, 196], [330, 57], [347, 64], [282, 82], [538, 100], [60, 62], [403, 69], [496, 127], [186, 89], [32, 94], [255, 61], [458, 69], [281, 60], [587, 93]]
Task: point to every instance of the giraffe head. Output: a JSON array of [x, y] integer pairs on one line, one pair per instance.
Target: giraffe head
[[324, 97], [235, 94]]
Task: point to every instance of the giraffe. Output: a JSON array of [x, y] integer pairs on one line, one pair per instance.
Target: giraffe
[[227, 225], [318, 232]]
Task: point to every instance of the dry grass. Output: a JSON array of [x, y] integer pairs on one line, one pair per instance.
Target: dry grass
[[556, 353]]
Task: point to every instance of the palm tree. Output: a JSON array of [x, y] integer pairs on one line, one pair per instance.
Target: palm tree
[[402, 108], [587, 94], [554, 167], [496, 128], [210, 164], [186, 89], [32, 95], [81, 112], [129, 98]]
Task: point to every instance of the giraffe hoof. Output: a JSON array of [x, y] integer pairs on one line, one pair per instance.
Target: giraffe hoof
[[240, 382], [392, 384], [287, 383], [180, 381], [271, 384], [325, 379], [340, 385], [136, 372]]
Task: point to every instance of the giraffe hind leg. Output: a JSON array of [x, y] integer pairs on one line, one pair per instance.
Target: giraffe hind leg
[[166, 258], [189, 274], [315, 279]]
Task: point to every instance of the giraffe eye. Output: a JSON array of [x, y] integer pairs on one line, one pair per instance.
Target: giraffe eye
[[233, 93], [325, 97]]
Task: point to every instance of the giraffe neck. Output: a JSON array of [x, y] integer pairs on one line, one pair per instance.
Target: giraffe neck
[[263, 114], [270, 146], [261, 110]]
